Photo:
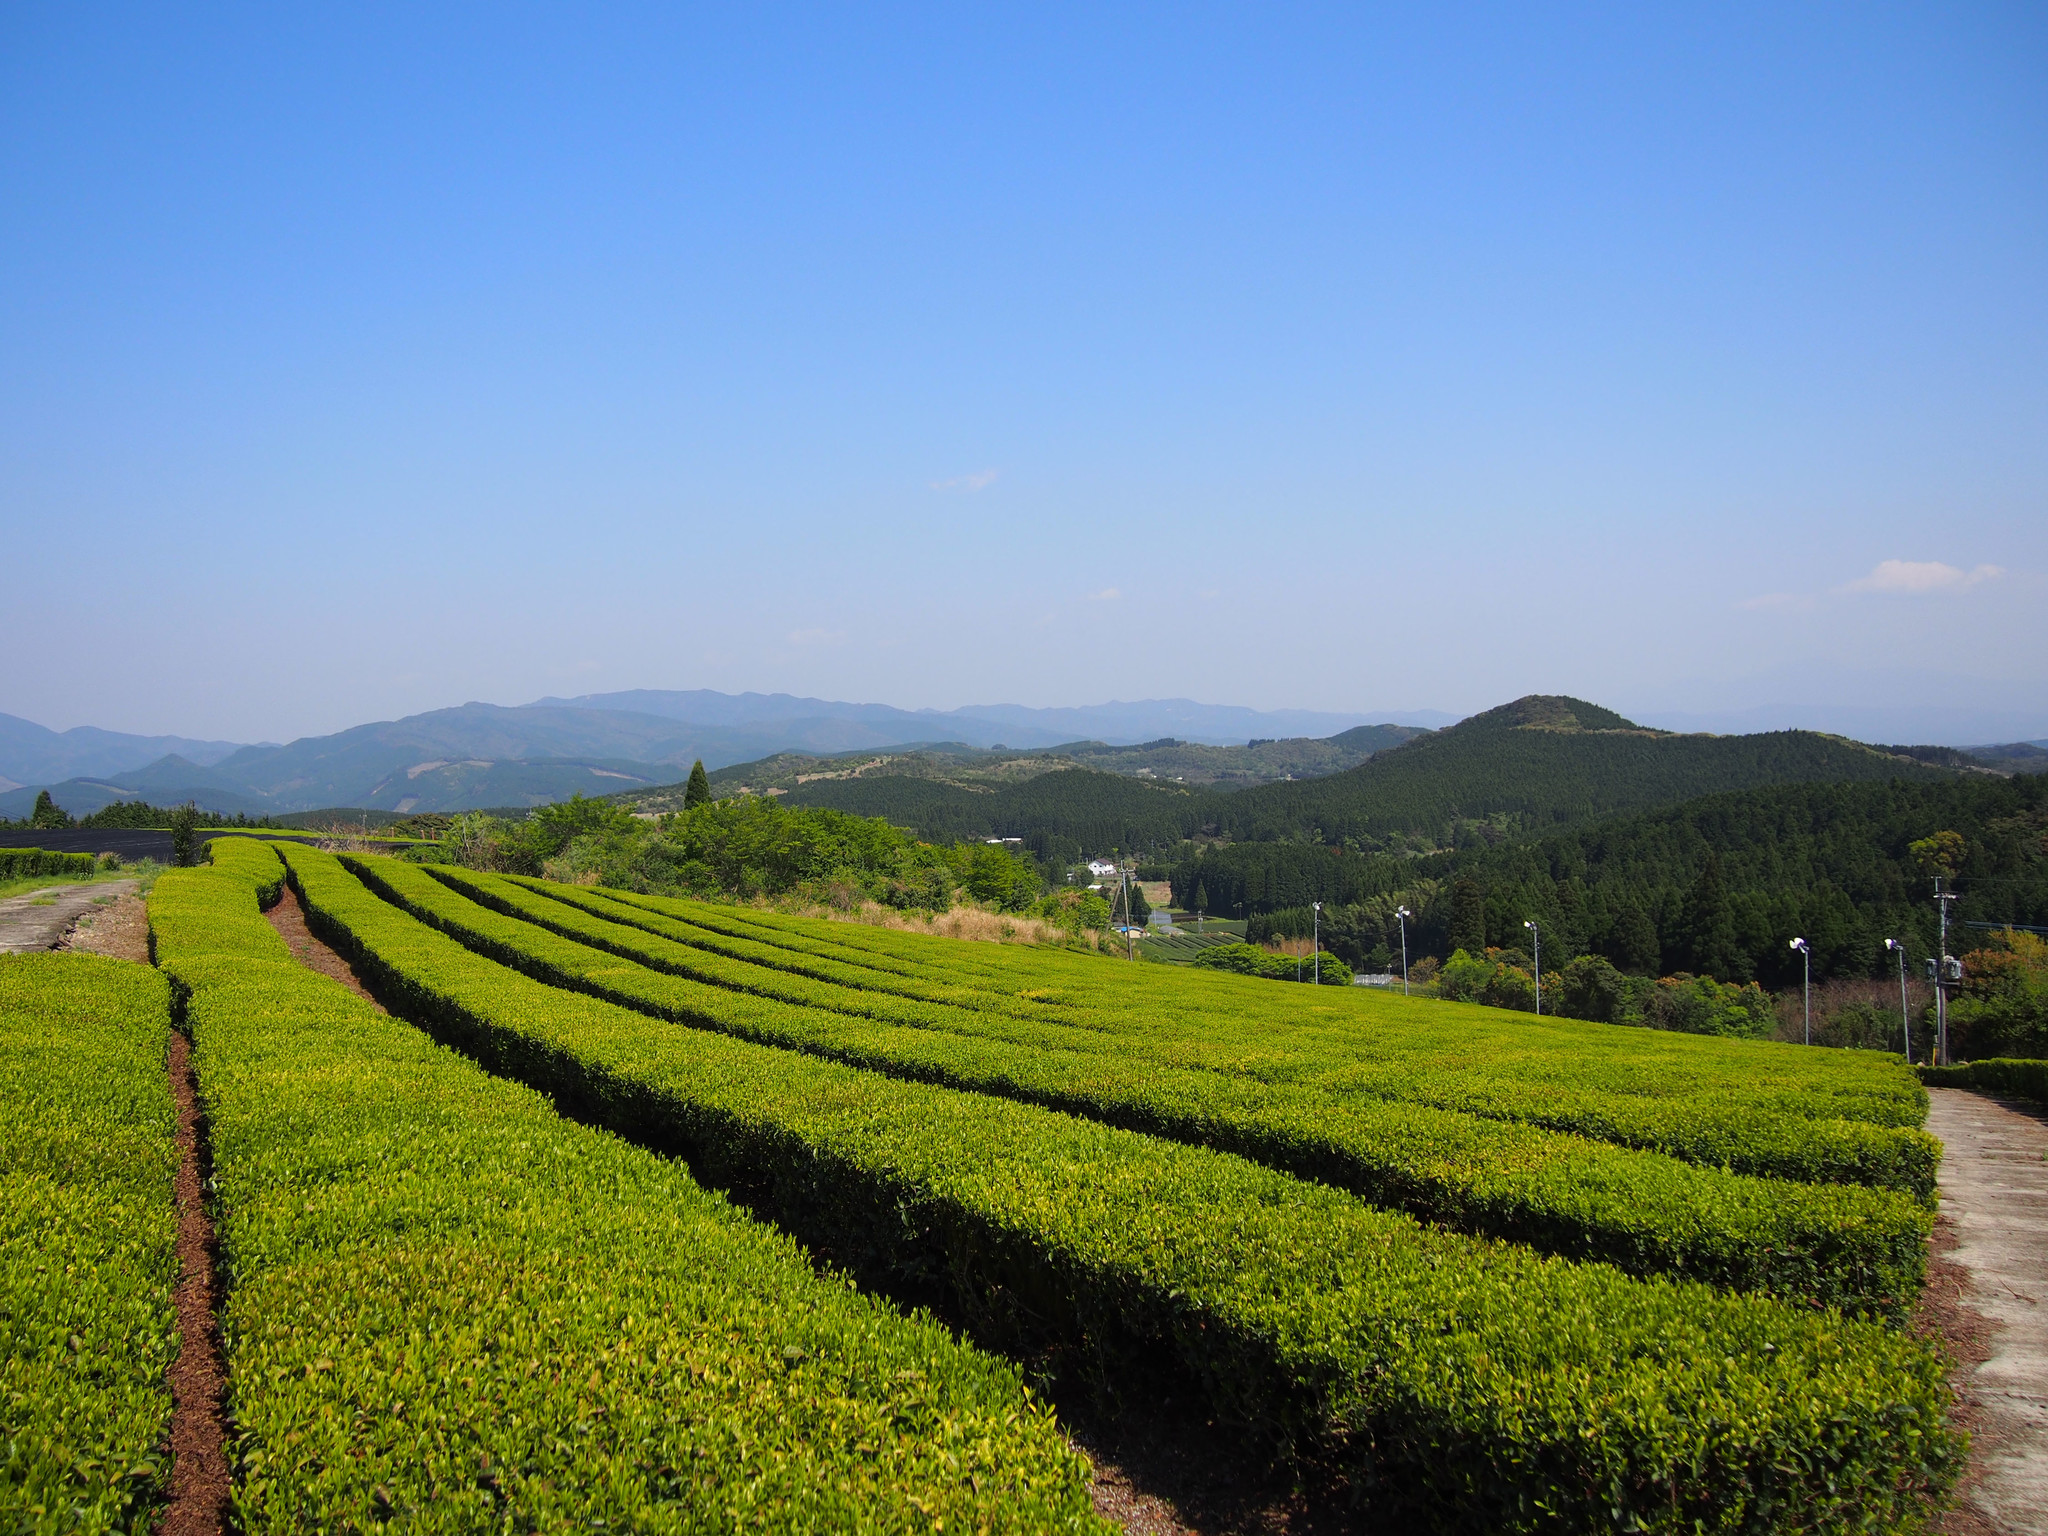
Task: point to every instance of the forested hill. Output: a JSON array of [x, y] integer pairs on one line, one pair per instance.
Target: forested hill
[[1063, 816], [1716, 885], [1540, 762]]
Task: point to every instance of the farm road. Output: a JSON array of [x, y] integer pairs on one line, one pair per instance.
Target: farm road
[[26, 925], [1994, 1188]]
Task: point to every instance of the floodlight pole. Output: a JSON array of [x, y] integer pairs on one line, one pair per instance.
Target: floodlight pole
[[1317, 920], [1941, 978], [1537, 934], [1806, 993], [1401, 915], [1898, 947]]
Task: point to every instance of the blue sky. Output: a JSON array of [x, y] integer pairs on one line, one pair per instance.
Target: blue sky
[[1684, 359]]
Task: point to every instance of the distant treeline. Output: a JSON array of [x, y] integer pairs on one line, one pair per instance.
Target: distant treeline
[[125, 815], [1715, 886], [1060, 816]]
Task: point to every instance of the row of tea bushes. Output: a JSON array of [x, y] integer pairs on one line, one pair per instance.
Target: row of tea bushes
[[1998, 1074], [451, 1310], [1454, 1382], [88, 1243], [1861, 1249], [1770, 1110], [38, 863]]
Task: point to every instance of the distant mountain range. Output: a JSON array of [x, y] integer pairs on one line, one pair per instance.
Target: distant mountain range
[[1539, 762], [825, 726], [492, 755], [32, 754]]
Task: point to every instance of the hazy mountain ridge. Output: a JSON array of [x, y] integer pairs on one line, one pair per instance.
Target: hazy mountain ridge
[[1116, 723], [31, 753], [455, 758], [973, 769]]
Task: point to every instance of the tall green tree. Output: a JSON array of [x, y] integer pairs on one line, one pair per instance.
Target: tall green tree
[[1633, 944], [48, 814], [184, 824], [698, 791], [1468, 917], [1712, 947]]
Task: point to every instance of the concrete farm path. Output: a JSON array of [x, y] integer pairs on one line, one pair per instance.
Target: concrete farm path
[[39, 919], [1994, 1193]]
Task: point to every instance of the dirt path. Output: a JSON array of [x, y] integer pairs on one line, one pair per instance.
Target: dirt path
[[119, 929], [39, 919], [199, 1467], [289, 919], [1994, 1201]]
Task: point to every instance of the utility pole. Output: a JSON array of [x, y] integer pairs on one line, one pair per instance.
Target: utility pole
[[1537, 934], [1317, 920], [1898, 947], [1944, 973], [1806, 995], [1401, 915]]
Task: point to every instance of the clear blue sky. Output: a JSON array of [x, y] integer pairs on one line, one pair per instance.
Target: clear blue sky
[[364, 363]]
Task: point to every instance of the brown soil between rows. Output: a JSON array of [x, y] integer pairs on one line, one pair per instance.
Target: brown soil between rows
[[199, 1468], [288, 917]]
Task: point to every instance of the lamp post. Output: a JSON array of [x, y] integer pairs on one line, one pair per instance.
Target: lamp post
[[1898, 947], [1401, 915], [1943, 972], [1806, 993], [1317, 920], [1537, 934]]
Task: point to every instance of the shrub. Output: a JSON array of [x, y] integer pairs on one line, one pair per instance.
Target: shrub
[[2003, 1009], [1457, 1382], [1700, 1005], [87, 1243], [30, 863], [2017, 1079], [450, 1310], [1591, 988], [1860, 1249]]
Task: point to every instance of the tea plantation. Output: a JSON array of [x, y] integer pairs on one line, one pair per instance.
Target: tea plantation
[[657, 1215]]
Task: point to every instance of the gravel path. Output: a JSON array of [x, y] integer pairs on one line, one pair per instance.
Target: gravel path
[[1994, 1189], [40, 919]]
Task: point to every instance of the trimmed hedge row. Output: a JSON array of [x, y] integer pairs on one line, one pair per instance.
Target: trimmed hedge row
[[1996, 1074], [451, 1310], [1680, 1096], [34, 863], [1860, 1249], [88, 1243], [1457, 1382]]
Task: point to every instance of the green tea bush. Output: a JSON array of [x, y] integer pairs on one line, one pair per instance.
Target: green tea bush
[[1768, 1110], [2015, 1079], [450, 1310], [1453, 1382], [1855, 1248], [88, 1231], [35, 863]]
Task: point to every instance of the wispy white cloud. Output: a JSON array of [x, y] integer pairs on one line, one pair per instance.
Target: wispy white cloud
[[817, 636], [980, 480], [1106, 595], [1915, 578]]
